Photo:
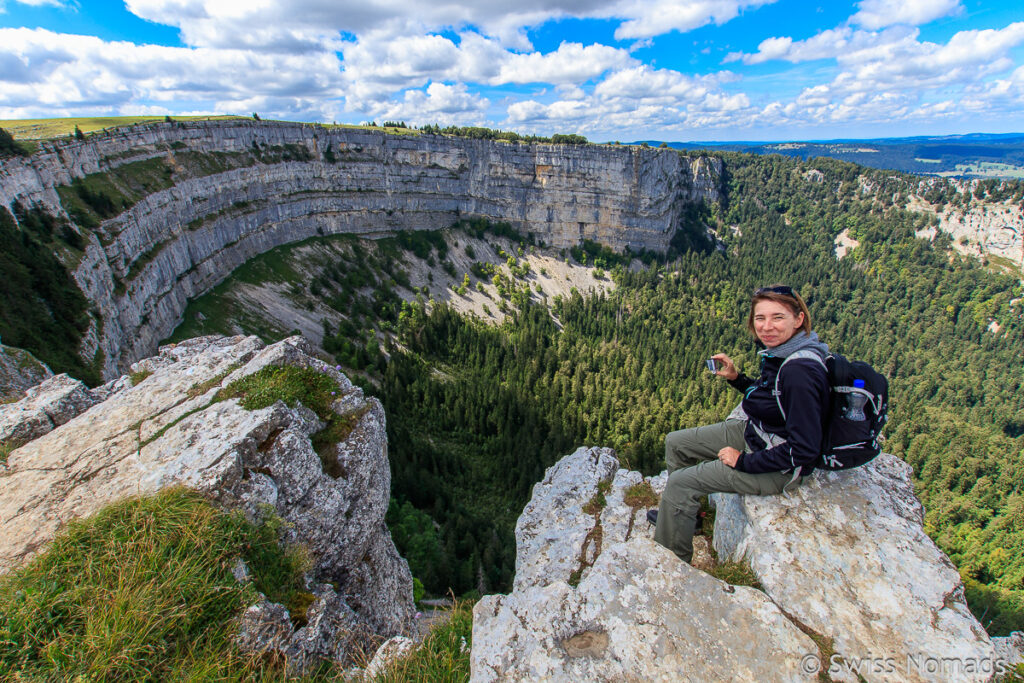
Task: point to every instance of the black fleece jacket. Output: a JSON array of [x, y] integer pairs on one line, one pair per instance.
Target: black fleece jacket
[[804, 395]]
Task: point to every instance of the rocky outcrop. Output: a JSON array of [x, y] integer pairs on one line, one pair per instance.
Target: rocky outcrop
[[49, 404], [979, 229], [19, 370], [239, 188], [171, 428], [843, 558], [1010, 651], [387, 655], [636, 613], [847, 554]]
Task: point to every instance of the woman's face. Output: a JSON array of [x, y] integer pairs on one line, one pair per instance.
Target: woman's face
[[774, 323]]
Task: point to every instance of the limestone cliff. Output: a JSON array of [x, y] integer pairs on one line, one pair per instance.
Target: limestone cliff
[[843, 563], [193, 201], [982, 229], [168, 424]]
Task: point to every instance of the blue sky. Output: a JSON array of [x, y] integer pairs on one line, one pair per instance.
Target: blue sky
[[609, 69]]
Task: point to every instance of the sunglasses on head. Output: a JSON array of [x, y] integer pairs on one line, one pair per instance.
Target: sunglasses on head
[[782, 289]]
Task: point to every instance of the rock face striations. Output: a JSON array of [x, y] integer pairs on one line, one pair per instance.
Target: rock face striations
[[844, 564], [169, 425], [190, 202]]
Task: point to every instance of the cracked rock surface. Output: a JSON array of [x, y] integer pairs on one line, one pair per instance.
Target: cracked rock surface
[[168, 430]]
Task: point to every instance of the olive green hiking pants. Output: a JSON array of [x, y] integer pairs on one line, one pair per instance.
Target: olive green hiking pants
[[694, 471]]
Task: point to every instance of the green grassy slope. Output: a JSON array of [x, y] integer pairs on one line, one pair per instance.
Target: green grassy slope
[[44, 129]]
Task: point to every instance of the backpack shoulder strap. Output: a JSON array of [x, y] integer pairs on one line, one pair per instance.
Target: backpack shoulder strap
[[802, 353]]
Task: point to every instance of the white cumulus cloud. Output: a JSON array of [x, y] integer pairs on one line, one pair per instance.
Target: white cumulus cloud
[[636, 99], [52, 74], [647, 18], [893, 76], [876, 14], [570, 63], [301, 24], [839, 43], [439, 103]]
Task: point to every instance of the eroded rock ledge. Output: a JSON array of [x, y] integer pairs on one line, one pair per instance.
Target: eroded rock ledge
[[844, 559], [239, 188], [167, 429]]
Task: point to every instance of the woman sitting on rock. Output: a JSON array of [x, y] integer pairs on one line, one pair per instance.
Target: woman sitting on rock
[[758, 450]]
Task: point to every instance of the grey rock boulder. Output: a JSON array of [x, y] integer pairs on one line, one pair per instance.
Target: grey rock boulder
[[264, 627], [330, 631], [636, 613], [387, 654], [47, 405], [846, 553], [844, 558], [552, 532], [1010, 651], [639, 614]]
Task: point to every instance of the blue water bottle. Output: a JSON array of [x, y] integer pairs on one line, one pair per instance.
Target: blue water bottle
[[855, 401]]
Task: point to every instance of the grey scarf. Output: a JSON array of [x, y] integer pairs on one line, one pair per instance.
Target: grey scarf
[[797, 342]]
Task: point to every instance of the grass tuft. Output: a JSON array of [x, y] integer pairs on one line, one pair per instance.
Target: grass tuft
[[289, 384], [825, 645], [6, 448], [337, 430], [142, 591], [596, 503], [640, 496], [443, 655], [316, 390], [736, 573], [202, 387], [138, 377]]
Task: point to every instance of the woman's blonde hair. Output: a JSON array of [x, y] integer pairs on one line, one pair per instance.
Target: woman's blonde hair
[[782, 294]]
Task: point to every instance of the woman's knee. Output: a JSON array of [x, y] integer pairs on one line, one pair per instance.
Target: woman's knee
[[677, 453], [680, 489]]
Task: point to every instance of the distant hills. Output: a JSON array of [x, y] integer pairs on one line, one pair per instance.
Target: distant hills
[[976, 155]]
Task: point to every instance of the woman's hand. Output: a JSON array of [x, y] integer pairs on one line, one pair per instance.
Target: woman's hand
[[727, 368], [729, 456]]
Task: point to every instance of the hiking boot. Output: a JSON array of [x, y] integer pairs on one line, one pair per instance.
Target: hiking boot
[[698, 525]]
